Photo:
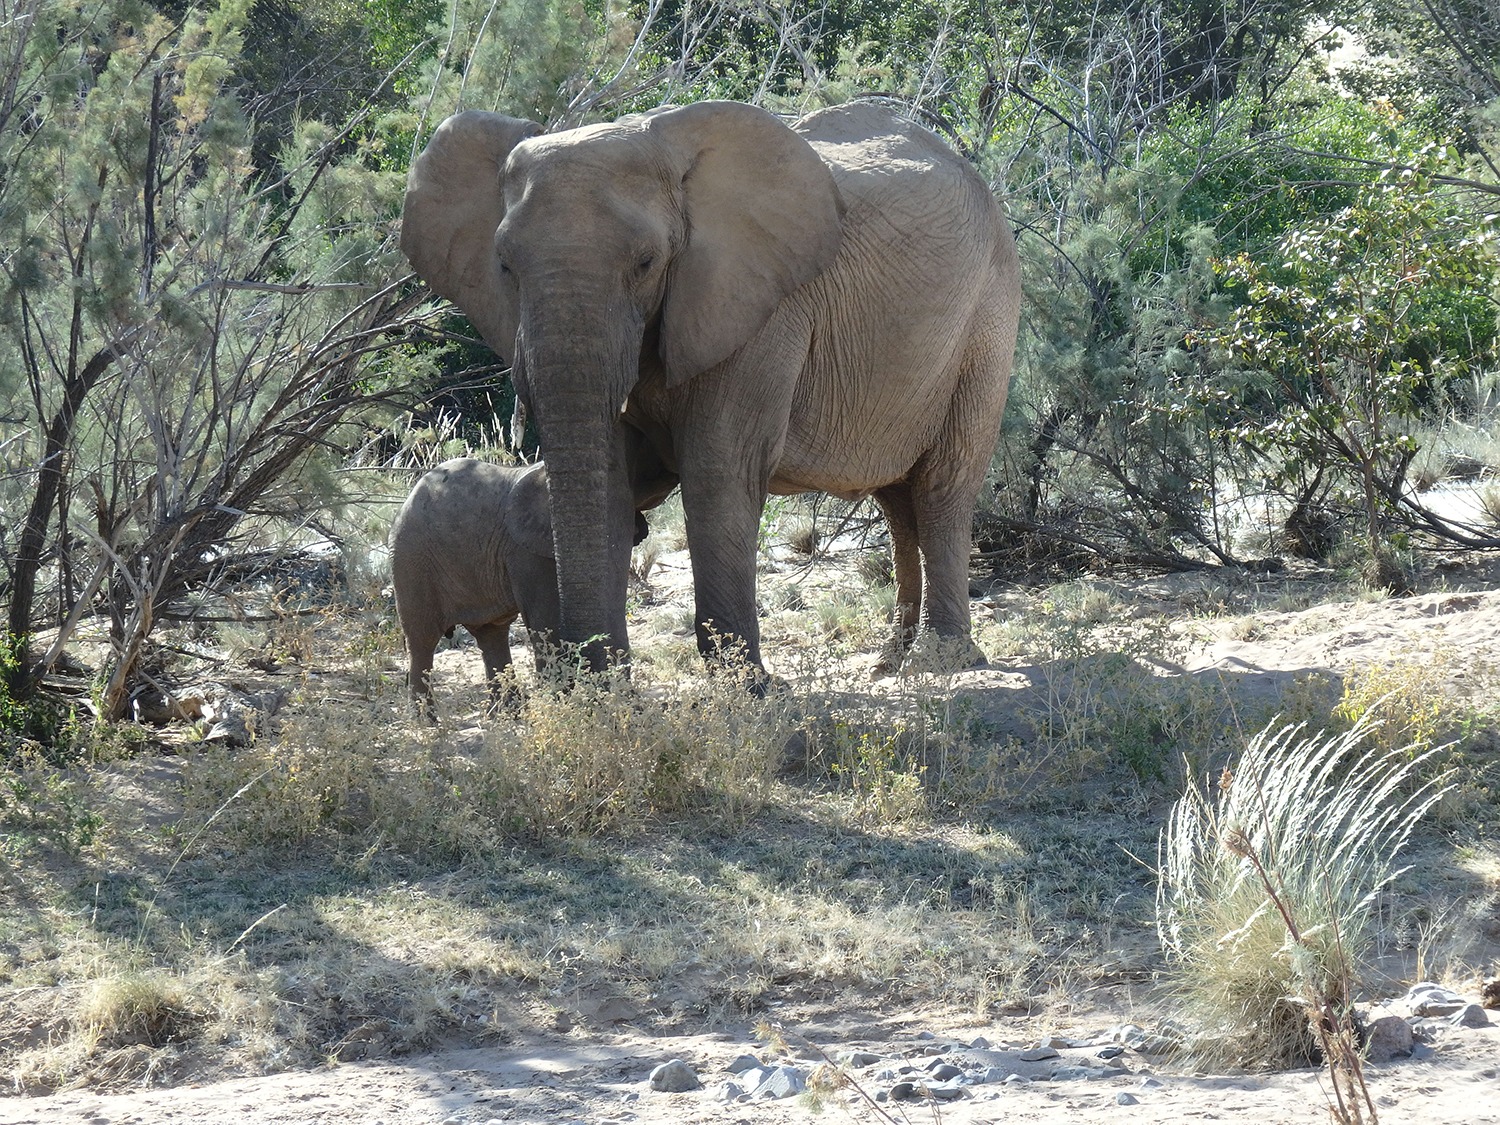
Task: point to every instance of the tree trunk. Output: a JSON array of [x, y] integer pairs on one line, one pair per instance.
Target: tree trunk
[[31, 546]]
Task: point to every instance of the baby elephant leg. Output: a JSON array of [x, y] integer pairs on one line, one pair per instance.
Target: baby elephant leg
[[494, 643], [420, 647]]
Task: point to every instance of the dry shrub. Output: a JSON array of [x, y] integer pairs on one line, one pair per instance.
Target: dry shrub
[[605, 755], [1268, 883], [132, 1024], [1489, 504], [314, 778], [1405, 702], [900, 759], [151, 1006], [1103, 696]]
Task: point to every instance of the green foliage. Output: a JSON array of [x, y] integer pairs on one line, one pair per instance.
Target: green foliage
[[183, 325], [1351, 327], [36, 728], [526, 58], [882, 780]]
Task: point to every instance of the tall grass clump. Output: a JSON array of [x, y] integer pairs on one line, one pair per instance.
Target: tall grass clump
[[604, 755], [1268, 883], [607, 753]]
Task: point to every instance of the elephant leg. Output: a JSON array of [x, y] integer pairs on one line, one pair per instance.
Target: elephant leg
[[723, 523], [420, 645], [896, 503], [729, 434], [944, 515], [494, 642], [533, 581], [945, 484]]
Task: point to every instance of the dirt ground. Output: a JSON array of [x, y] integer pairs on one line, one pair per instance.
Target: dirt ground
[[597, 1078], [597, 1072]]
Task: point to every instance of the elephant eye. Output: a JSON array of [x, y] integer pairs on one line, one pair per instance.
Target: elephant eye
[[643, 267], [504, 267]]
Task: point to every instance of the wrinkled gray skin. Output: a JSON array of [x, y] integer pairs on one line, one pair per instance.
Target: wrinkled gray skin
[[472, 546], [830, 305]]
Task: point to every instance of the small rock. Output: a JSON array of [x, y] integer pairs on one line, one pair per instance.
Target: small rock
[[1386, 1038], [1127, 1033], [1017, 1080], [980, 1043], [742, 1063], [926, 1035], [944, 1091], [944, 1071], [902, 1091], [1428, 1031], [887, 1074], [992, 1074], [1428, 999], [1125, 1098], [1109, 1052], [1037, 1054], [1156, 1045], [751, 1079], [729, 1092], [674, 1077], [1149, 1083], [1470, 1015], [1068, 1043], [859, 1058], [1073, 1073], [782, 1082]]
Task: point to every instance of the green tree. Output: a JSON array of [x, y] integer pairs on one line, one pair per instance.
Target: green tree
[[1347, 331], [183, 329]]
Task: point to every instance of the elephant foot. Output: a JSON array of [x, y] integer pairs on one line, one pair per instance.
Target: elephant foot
[[762, 685], [932, 655], [894, 652], [504, 703]]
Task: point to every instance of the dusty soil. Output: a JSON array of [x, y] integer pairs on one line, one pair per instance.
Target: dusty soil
[[601, 1078], [596, 1071]]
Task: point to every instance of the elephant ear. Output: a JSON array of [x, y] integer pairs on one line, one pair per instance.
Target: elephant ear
[[528, 517], [763, 216], [453, 205]]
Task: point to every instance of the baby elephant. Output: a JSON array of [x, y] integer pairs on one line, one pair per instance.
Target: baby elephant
[[472, 546]]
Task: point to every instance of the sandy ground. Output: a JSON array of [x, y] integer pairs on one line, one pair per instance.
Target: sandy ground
[[599, 1075], [603, 1079]]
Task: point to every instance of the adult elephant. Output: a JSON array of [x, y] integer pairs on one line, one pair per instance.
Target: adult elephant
[[767, 308]]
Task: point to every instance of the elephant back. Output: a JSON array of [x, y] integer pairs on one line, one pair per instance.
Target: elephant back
[[884, 161]]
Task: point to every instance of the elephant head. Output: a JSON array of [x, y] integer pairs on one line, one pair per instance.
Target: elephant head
[[652, 247]]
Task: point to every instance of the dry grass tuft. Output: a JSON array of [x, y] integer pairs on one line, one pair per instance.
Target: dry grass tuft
[[1268, 884], [607, 755], [150, 1006]]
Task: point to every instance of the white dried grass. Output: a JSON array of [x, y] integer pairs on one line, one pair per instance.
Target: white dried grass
[[1325, 817]]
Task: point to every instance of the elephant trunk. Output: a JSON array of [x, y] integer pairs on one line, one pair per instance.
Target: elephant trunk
[[578, 400]]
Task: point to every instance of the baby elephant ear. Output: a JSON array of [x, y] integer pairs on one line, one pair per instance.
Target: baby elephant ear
[[764, 217], [454, 202], [528, 518]]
